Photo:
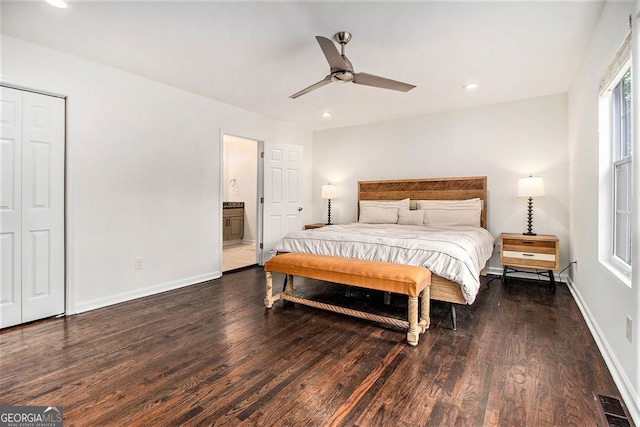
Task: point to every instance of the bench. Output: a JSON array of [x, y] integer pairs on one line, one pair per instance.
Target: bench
[[409, 280]]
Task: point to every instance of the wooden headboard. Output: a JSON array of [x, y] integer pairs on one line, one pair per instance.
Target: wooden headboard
[[461, 188]]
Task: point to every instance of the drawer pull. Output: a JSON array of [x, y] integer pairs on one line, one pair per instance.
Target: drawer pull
[[527, 243], [524, 254]]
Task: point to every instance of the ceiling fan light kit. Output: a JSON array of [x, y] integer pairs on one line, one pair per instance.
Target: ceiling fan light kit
[[342, 69]]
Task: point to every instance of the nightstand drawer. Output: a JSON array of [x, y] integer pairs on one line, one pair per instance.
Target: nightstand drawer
[[530, 255], [534, 261], [542, 246]]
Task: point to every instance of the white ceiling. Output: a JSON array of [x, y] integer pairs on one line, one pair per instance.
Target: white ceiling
[[253, 55]]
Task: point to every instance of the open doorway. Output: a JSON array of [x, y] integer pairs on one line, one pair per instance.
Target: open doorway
[[239, 202]]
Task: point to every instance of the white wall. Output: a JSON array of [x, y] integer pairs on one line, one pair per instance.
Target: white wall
[[604, 299], [503, 141], [144, 169]]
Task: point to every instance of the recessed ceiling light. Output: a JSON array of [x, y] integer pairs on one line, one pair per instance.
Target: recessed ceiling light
[[326, 114], [470, 85], [58, 3]]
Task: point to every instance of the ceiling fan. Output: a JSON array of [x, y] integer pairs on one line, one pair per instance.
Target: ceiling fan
[[342, 69]]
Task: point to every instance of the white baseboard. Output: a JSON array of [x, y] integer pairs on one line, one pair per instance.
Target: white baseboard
[[628, 394], [144, 292]]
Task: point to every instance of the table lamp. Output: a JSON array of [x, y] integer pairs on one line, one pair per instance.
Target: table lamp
[[329, 192], [530, 187]]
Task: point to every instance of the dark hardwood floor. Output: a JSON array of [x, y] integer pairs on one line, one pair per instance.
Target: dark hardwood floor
[[211, 354]]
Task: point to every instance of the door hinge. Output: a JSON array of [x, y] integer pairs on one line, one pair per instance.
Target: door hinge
[[261, 199], [262, 154], [261, 246]]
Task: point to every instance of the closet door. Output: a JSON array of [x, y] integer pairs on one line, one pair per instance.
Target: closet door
[[31, 207], [42, 206], [10, 207]]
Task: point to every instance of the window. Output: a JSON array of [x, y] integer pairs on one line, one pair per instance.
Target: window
[[621, 138], [615, 192]]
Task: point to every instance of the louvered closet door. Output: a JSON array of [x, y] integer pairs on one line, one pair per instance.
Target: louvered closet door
[[32, 226]]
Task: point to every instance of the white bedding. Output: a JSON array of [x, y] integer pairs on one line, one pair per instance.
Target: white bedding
[[457, 253]]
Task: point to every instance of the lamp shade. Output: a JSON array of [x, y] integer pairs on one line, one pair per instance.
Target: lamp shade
[[329, 192], [532, 186]]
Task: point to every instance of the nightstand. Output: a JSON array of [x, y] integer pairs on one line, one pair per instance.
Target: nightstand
[[522, 251], [312, 226]]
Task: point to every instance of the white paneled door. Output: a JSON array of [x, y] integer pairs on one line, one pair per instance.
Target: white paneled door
[[31, 206], [10, 207], [282, 193]]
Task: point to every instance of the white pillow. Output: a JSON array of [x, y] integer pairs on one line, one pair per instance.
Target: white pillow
[[376, 215], [451, 212], [409, 217], [399, 204], [451, 204]]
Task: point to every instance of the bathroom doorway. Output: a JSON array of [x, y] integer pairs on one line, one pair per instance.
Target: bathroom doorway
[[239, 202]]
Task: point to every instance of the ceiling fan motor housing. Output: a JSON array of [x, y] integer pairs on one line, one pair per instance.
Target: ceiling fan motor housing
[[342, 76]]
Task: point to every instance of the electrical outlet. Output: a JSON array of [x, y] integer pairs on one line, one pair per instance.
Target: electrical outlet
[[139, 263], [629, 326]]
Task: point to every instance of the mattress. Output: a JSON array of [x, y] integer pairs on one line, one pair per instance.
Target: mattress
[[456, 253]]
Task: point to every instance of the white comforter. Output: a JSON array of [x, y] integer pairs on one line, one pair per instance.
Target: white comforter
[[457, 253]]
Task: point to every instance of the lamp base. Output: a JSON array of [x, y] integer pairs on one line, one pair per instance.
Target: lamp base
[[530, 219]]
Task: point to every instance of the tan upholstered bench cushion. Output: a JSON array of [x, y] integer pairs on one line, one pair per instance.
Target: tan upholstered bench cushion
[[384, 276]]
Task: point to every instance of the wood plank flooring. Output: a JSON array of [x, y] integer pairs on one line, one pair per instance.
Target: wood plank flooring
[[211, 354]]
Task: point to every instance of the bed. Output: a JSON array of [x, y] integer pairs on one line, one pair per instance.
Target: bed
[[398, 243]]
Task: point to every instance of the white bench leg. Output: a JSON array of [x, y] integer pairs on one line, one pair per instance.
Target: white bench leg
[[289, 289], [414, 333], [425, 304], [268, 299]]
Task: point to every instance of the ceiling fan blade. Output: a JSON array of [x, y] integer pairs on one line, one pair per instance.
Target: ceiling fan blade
[[336, 61], [314, 86], [371, 80]]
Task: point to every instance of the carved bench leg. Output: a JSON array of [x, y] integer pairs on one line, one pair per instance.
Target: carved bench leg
[[414, 333], [268, 299], [425, 303], [289, 289]]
